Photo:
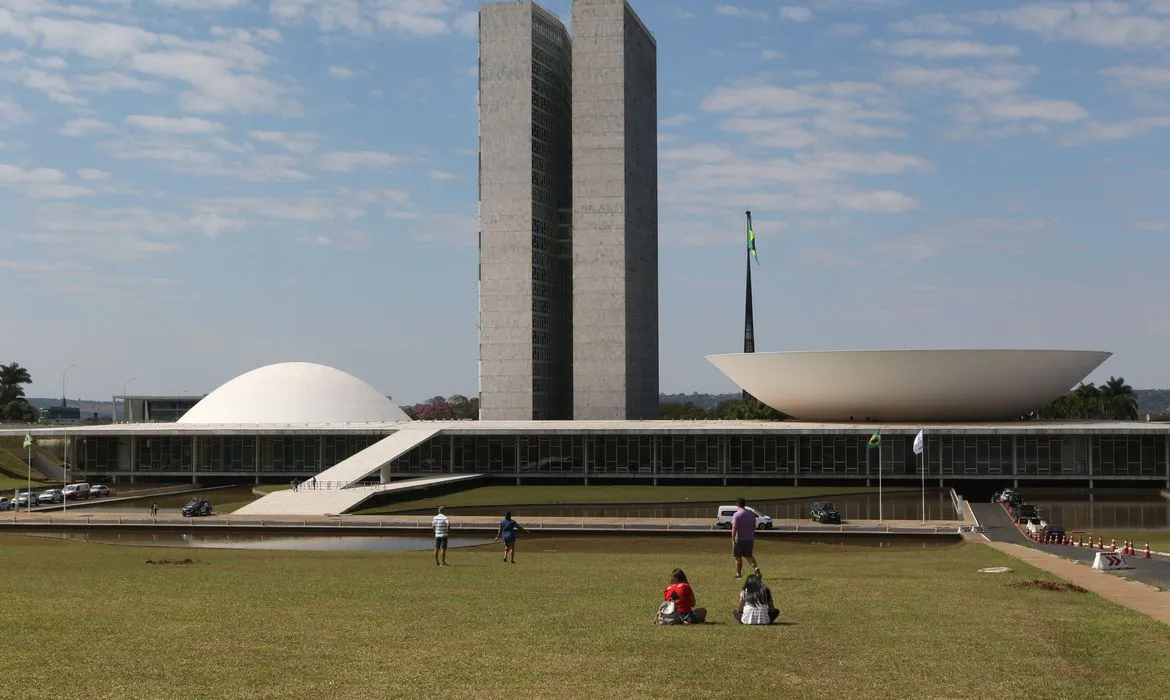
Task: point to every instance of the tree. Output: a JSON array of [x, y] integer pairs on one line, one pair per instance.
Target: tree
[[435, 408], [1114, 400], [736, 409], [1119, 401], [682, 411], [463, 408], [13, 405]]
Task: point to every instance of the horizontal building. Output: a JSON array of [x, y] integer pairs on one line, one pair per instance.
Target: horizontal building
[[297, 420]]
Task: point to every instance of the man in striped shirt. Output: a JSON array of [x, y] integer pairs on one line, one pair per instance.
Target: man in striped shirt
[[441, 526]]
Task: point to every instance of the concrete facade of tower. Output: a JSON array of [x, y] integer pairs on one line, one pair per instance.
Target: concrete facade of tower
[[525, 181], [568, 214], [615, 213]]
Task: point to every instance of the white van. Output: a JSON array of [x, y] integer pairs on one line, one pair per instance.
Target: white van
[[76, 492], [724, 515]]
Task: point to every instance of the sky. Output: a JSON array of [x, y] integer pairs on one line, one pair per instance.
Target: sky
[[194, 188]]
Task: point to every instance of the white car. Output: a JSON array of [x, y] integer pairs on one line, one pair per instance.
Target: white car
[[51, 496], [99, 490], [25, 499], [5, 504], [724, 515], [1035, 526]]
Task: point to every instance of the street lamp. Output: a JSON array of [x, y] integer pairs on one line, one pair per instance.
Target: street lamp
[[124, 404], [63, 375]]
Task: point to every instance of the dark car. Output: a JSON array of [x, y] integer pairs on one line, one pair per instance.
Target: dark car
[[196, 507], [1024, 511], [826, 513], [1052, 533]]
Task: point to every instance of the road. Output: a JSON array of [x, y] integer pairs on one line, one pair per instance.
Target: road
[[998, 527]]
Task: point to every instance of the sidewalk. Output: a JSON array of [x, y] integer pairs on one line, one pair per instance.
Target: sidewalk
[[1137, 596]]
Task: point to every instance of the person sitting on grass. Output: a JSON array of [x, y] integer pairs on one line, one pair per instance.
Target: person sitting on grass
[[680, 592], [755, 603]]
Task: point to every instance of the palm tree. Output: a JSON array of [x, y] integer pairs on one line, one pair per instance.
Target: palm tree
[[12, 376], [1119, 401], [1087, 399]]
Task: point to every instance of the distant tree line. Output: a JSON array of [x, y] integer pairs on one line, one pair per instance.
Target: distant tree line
[[1113, 400], [727, 409], [13, 404], [456, 407]]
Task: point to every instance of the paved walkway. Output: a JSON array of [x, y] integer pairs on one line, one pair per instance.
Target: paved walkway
[[1131, 594]]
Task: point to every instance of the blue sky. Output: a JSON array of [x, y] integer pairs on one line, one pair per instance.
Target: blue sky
[[194, 188]]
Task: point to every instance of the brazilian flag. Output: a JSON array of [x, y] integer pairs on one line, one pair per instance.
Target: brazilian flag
[[751, 242], [875, 440]]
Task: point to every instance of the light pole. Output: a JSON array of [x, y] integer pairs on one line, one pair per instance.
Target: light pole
[[124, 404], [63, 375]]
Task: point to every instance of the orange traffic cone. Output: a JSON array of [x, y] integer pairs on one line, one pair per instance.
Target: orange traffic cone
[[1146, 554], [1125, 546], [1129, 544], [1100, 543], [1080, 540], [1113, 545]]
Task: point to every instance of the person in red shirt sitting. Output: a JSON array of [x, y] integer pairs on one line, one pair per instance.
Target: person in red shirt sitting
[[680, 592]]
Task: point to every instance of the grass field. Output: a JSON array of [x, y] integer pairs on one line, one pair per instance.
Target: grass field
[[571, 620], [9, 484], [1159, 539], [504, 496]]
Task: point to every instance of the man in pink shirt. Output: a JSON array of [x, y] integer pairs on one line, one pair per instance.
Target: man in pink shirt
[[743, 536]]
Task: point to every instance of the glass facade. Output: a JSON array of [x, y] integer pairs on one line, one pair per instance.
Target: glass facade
[[668, 454]]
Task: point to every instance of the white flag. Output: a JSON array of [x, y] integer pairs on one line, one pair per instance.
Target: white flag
[[918, 443]]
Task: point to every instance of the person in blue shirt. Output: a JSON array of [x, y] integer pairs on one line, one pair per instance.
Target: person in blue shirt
[[507, 533]]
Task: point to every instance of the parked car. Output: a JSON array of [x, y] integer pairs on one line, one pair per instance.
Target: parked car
[[196, 507], [25, 499], [1003, 496], [1023, 512], [1035, 526], [76, 492], [1052, 533], [724, 515], [98, 490], [5, 503], [51, 496], [825, 512]]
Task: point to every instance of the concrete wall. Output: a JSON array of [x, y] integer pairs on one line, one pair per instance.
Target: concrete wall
[[505, 211], [524, 179], [615, 256]]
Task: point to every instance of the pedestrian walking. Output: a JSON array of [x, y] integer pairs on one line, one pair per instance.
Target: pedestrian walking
[[743, 537], [507, 532], [313, 483], [441, 525], [153, 509]]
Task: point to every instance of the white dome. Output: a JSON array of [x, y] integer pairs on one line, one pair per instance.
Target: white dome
[[296, 393], [908, 385]]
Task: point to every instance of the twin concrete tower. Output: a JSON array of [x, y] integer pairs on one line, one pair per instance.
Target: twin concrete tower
[[568, 207]]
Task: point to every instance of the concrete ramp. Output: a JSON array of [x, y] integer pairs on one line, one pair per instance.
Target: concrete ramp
[[318, 502], [370, 460]]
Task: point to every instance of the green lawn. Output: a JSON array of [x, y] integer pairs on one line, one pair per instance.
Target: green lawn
[[504, 496], [8, 484], [571, 620]]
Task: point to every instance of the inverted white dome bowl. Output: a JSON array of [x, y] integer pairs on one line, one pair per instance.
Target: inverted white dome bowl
[[908, 385]]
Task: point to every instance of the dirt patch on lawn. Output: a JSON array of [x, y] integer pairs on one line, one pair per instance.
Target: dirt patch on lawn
[[172, 561], [1058, 586]]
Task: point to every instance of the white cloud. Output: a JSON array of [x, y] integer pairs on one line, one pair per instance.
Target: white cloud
[[173, 125], [794, 13], [343, 162], [340, 72], [937, 49], [771, 55], [12, 112], [92, 174], [737, 11], [85, 126], [1117, 131], [1140, 77], [40, 183], [295, 141], [422, 18], [697, 153], [201, 4], [937, 25], [442, 175], [676, 120], [1150, 225], [1103, 23]]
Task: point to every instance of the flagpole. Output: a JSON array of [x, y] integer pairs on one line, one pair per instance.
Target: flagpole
[[28, 496], [923, 468], [880, 518]]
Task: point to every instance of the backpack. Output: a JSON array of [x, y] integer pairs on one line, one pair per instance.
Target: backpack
[[667, 615]]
